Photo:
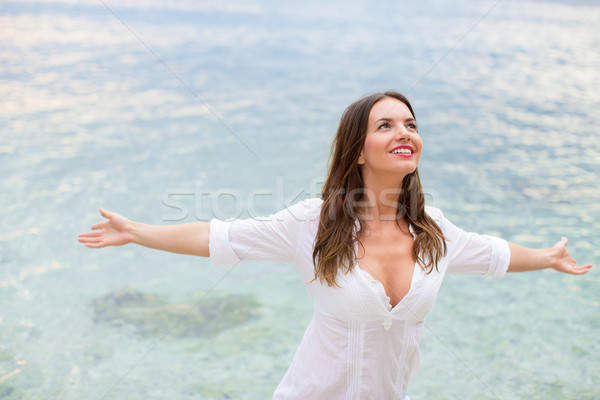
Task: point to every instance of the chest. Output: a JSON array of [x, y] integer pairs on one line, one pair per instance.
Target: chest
[[359, 297], [387, 255]]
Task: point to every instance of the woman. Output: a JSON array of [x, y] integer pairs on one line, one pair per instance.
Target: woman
[[371, 253]]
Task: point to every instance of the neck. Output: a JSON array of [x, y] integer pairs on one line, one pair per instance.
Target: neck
[[381, 198]]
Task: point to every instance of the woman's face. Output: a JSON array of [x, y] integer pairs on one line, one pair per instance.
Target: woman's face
[[392, 145]]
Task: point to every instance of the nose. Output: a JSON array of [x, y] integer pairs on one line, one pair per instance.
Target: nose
[[402, 132]]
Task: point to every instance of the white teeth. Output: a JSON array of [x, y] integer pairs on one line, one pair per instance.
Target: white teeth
[[401, 151]]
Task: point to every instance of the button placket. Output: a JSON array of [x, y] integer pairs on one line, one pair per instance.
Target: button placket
[[387, 323]]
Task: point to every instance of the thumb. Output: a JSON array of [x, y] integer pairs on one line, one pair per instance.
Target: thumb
[[105, 213], [561, 244]]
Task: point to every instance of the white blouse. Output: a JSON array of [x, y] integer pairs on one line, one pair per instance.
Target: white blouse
[[356, 346]]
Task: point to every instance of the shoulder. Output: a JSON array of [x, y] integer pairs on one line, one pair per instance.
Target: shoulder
[[312, 207], [435, 213], [308, 209], [314, 202]]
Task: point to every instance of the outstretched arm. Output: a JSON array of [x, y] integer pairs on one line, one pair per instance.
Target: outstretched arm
[[523, 259], [190, 238]]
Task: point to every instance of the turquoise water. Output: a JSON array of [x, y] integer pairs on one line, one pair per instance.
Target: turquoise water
[[151, 105]]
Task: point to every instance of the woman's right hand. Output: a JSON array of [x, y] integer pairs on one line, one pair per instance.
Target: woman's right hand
[[114, 232]]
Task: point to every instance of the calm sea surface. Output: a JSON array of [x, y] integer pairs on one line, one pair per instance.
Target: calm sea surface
[[179, 111]]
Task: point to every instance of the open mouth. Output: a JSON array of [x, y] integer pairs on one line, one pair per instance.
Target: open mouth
[[403, 150]]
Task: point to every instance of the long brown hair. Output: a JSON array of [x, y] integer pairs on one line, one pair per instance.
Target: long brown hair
[[343, 193]]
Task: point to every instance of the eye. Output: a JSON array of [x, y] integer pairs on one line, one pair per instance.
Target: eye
[[385, 125], [412, 126]]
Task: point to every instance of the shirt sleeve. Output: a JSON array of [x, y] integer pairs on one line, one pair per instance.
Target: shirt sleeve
[[472, 253], [272, 238]]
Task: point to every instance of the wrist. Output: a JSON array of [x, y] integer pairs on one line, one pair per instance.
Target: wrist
[[132, 232], [548, 258]]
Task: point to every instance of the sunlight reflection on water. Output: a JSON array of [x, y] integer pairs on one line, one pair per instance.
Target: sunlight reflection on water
[[91, 118]]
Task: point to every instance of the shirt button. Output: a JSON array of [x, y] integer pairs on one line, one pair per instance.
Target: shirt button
[[387, 324]]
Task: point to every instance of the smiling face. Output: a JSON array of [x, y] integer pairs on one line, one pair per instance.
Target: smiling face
[[392, 146]]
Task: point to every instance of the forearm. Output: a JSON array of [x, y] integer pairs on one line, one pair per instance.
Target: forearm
[[191, 238], [524, 259]]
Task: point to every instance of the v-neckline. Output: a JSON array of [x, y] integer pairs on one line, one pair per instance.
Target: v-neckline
[[388, 301], [381, 289]]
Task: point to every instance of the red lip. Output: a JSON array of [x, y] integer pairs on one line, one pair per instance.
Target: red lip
[[412, 151]]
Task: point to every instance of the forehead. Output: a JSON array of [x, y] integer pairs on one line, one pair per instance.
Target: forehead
[[389, 108]]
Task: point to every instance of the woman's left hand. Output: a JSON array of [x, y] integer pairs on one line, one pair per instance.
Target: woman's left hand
[[561, 259]]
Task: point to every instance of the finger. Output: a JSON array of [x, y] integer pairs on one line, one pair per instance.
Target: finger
[[90, 238], [563, 242], [588, 266], [90, 234], [99, 225], [94, 245], [581, 270], [105, 213], [93, 242]]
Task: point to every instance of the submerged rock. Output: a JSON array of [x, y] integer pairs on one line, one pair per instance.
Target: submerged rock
[[152, 314], [6, 391]]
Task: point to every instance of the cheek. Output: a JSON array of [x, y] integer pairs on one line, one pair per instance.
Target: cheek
[[419, 143], [373, 143], [368, 147]]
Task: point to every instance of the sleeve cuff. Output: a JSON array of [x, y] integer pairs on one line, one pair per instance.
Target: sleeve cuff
[[499, 256], [221, 252]]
